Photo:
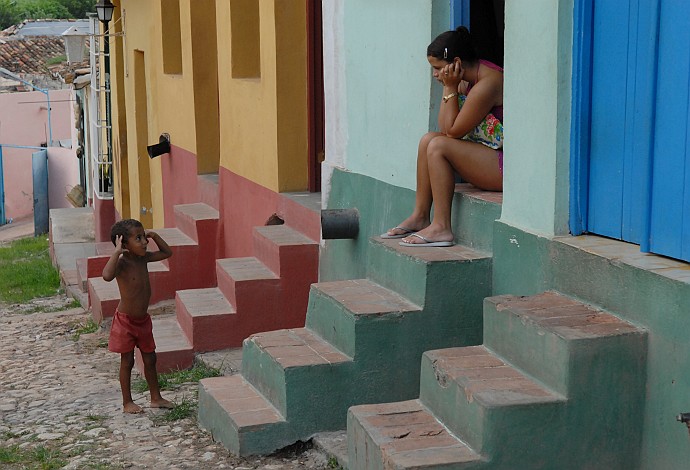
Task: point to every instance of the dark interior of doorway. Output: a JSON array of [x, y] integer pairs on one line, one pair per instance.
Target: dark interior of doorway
[[487, 25]]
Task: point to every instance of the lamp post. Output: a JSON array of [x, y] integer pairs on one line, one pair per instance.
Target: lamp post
[[104, 9]]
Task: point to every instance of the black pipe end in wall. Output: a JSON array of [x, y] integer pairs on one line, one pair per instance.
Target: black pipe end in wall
[[339, 224]]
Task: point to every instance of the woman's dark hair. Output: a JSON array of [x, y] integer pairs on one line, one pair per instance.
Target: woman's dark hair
[[452, 44], [122, 227]]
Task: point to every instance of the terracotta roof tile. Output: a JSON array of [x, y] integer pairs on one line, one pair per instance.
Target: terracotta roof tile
[[29, 55]]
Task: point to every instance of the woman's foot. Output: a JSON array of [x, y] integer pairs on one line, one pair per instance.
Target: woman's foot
[[407, 227], [429, 235]]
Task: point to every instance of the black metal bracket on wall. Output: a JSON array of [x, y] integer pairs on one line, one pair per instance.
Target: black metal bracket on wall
[[163, 146]]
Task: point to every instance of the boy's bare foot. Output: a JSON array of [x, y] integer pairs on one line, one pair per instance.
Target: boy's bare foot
[[162, 403], [132, 408]]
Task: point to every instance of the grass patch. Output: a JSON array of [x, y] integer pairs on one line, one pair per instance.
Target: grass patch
[[26, 271], [74, 303], [56, 60], [171, 380], [96, 418], [85, 328], [185, 409], [40, 457]]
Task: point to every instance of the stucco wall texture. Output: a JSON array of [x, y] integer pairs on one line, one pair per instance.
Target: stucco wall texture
[[24, 122]]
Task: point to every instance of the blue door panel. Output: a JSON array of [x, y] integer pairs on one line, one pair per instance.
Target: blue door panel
[[39, 167], [670, 220], [640, 121], [608, 116], [623, 62], [459, 13]]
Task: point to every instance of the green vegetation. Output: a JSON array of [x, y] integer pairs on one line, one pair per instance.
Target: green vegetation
[[84, 328], [56, 60], [171, 380], [14, 11], [39, 457], [185, 409], [26, 271]]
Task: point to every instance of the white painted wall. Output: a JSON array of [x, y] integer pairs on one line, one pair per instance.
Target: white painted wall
[[377, 85], [537, 106]]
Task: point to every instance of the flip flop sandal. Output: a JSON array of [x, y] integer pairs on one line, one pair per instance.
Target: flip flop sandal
[[426, 241], [406, 233]]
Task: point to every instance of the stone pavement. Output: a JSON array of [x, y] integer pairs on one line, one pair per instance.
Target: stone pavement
[[19, 228], [64, 395]]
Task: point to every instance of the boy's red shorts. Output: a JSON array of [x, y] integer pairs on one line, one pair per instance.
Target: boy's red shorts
[[127, 332]]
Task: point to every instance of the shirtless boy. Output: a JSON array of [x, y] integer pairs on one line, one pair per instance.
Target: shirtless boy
[[132, 323]]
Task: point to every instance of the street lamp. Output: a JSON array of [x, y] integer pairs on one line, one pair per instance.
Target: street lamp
[[104, 9]]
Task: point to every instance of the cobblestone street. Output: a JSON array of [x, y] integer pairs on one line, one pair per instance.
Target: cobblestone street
[[63, 395]]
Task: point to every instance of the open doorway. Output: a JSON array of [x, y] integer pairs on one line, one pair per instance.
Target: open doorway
[[317, 145], [485, 20]]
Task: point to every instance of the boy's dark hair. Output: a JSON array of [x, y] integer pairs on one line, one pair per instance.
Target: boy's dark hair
[[122, 228]]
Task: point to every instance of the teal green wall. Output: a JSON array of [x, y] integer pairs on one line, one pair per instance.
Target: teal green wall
[[381, 206], [526, 264]]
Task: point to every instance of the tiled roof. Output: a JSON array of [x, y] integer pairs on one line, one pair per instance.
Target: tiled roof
[[29, 55]]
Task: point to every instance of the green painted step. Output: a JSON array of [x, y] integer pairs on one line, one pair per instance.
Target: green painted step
[[474, 213], [237, 415], [565, 340], [347, 313], [370, 341], [430, 276], [501, 399], [404, 435], [280, 362], [482, 399]]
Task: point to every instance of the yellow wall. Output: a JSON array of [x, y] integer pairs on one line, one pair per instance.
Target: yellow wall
[[250, 117], [263, 113], [174, 102]]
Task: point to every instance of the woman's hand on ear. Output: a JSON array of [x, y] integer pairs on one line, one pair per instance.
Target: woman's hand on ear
[[451, 75]]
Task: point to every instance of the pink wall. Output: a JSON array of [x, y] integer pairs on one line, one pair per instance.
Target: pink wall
[[63, 175], [24, 121], [180, 182]]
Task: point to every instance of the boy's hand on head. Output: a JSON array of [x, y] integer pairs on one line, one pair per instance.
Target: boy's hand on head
[[150, 234], [118, 245]]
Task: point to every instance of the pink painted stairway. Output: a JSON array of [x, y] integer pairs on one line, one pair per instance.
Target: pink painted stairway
[[266, 292], [193, 241]]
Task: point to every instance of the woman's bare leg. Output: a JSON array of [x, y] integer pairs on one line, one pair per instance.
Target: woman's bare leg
[[475, 163], [423, 197]]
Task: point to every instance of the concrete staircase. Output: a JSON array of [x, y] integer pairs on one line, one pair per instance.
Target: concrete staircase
[[193, 241], [362, 343], [556, 384], [219, 302]]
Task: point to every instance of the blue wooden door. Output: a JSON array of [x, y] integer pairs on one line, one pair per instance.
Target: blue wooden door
[[638, 125], [669, 232], [39, 166], [3, 217]]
